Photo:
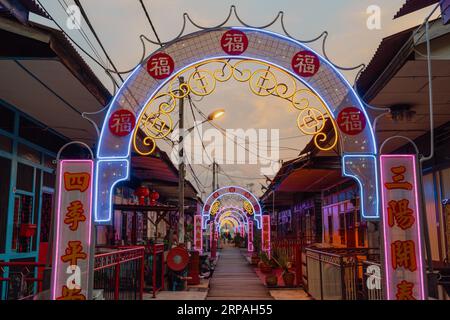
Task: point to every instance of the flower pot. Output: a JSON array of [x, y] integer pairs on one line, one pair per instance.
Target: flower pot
[[289, 279], [271, 280], [266, 269], [255, 260]]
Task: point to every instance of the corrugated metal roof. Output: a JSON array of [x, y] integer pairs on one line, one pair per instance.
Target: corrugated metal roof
[[411, 6], [388, 49], [32, 6]]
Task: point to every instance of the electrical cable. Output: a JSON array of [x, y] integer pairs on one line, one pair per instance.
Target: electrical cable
[[86, 18]]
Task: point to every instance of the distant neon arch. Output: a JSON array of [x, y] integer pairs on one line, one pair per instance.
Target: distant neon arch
[[238, 192], [233, 213]]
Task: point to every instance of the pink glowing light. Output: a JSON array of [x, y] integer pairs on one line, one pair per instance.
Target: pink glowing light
[[61, 169], [387, 255]]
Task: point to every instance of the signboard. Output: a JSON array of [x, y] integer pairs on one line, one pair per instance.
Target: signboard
[[198, 236], [403, 255], [447, 227], [265, 234], [72, 246]]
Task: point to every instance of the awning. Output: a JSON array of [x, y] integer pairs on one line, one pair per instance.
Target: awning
[[159, 172], [44, 76], [411, 6], [398, 76]]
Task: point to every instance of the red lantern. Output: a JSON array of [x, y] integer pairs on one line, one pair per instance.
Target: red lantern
[[154, 196], [142, 193]]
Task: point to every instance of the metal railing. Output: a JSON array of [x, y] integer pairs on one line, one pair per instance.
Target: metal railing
[[120, 273], [292, 249], [154, 267], [335, 274], [20, 280], [372, 282]]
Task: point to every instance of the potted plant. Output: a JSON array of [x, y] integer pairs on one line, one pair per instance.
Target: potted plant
[[271, 280], [265, 265], [284, 263], [255, 259]]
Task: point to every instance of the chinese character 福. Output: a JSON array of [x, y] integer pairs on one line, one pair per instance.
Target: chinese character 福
[[351, 121], [305, 64], [234, 43], [122, 123], [160, 66]]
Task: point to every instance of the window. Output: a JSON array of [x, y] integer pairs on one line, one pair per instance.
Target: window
[[39, 134], [5, 144], [49, 180], [7, 119], [46, 216], [25, 177], [23, 216], [29, 154]]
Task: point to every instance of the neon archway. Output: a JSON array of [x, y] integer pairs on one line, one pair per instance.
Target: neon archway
[[237, 213], [213, 207], [358, 148]]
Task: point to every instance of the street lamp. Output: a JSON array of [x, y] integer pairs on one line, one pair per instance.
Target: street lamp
[[216, 115], [213, 116]]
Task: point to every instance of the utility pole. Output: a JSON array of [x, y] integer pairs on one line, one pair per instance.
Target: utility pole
[[214, 177], [181, 169]]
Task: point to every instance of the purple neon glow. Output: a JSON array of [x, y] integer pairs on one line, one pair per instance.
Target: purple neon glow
[[266, 221], [196, 219], [387, 255], [58, 215], [250, 247]]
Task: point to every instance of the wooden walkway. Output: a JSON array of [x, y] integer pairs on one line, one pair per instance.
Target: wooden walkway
[[234, 279]]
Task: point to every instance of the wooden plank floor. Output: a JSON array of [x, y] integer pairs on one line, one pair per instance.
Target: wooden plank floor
[[234, 279]]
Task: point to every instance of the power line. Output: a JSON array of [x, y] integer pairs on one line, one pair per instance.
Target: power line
[[77, 45], [226, 135], [86, 18], [65, 7], [150, 22]]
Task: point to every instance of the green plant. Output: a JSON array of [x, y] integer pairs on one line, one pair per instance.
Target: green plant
[[264, 258], [189, 232], [282, 261]]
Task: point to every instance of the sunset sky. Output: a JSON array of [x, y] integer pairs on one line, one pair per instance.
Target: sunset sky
[[120, 22]]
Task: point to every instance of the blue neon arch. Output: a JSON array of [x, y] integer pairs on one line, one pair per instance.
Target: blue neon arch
[[358, 153]]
